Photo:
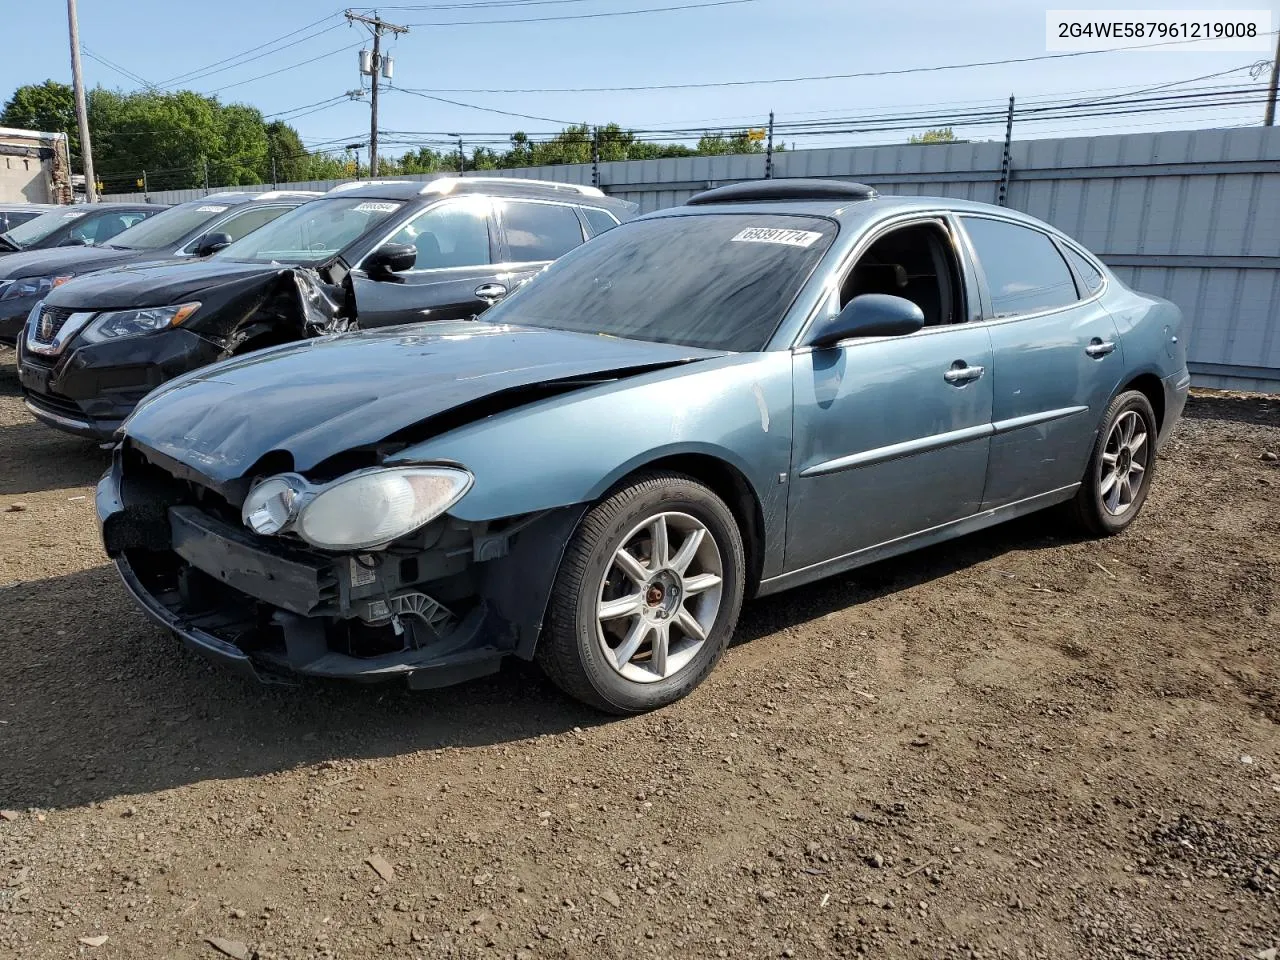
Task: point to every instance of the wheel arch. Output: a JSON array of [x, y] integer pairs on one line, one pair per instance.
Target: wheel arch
[[728, 483], [1152, 387]]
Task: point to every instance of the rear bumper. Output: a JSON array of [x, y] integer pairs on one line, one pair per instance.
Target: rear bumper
[[91, 389], [1176, 388]]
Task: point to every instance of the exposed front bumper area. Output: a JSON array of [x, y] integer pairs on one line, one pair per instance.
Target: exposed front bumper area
[[275, 610], [89, 390]]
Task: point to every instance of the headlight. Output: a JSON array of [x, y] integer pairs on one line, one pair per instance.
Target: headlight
[[359, 512], [31, 286], [131, 323]]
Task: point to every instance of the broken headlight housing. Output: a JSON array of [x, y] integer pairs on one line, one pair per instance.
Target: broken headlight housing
[[131, 323], [362, 511]]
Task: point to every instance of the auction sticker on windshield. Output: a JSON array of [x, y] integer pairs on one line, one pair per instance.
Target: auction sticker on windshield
[[210, 209], [374, 206], [73, 215], [790, 238]]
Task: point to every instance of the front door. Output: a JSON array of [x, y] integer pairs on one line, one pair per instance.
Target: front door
[[892, 433], [454, 277], [1057, 358]]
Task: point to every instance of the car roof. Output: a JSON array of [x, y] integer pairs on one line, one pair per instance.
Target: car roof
[[111, 205], [21, 206], [845, 210], [234, 197], [486, 186]]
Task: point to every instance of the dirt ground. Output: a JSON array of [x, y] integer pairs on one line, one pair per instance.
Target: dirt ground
[[1019, 744]]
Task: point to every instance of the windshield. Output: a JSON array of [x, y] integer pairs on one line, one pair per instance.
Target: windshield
[[716, 281], [313, 232], [167, 228], [35, 230]]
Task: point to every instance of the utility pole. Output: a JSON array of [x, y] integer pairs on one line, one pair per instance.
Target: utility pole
[[1270, 120], [205, 161], [1002, 192], [595, 158], [376, 63], [462, 158], [82, 111], [768, 151]]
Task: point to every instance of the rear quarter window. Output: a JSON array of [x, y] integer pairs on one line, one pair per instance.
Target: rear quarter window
[[1025, 273]]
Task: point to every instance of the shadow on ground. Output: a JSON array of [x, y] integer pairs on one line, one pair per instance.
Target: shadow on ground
[[1233, 409], [34, 457], [95, 702]]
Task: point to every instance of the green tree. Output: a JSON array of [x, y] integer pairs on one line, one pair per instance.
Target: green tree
[[940, 135], [49, 107]]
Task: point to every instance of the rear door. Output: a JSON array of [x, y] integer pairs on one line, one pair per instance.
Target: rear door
[[534, 234], [455, 277], [1056, 353]]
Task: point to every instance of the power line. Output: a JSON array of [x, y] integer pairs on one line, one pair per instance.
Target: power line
[[292, 66], [829, 76], [114, 66], [472, 106], [581, 16], [190, 73]]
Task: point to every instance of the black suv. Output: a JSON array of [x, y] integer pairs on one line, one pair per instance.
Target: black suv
[[366, 254], [79, 225], [196, 228]]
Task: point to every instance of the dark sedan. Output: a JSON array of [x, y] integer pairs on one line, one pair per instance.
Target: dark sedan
[[81, 225]]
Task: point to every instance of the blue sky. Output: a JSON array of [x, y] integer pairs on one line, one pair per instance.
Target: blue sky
[[160, 39]]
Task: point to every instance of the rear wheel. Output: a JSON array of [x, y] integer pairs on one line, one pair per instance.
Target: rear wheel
[[1121, 468], [647, 596]]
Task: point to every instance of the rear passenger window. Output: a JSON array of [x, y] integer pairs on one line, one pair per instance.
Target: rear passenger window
[[1087, 272], [243, 224], [1024, 271], [598, 220], [540, 231]]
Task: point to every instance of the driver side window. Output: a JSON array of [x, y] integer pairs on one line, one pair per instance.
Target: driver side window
[[452, 234], [915, 262]]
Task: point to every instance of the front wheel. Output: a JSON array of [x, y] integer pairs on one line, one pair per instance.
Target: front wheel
[[1121, 468], [647, 596]]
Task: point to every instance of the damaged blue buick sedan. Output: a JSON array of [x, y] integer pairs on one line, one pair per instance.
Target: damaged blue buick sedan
[[776, 382]]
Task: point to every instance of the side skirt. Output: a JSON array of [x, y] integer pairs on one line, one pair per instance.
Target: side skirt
[[914, 541]]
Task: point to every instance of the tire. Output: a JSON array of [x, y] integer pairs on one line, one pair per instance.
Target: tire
[[598, 661], [1100, 506]]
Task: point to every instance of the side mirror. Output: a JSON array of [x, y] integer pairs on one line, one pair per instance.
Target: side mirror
[[211, 243], [870, 315], [391, 258], [76, 242]]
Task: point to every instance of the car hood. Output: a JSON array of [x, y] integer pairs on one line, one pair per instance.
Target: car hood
[[59, 260], [318, 398], [154, 284]]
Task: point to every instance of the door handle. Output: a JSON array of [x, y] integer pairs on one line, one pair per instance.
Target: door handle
[[1100, 348], [961, 373], [491, 291]]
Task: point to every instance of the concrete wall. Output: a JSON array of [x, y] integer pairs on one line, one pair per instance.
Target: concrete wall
[[1193, 216]]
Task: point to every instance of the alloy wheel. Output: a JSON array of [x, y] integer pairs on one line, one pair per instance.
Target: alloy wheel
[[659, 597]]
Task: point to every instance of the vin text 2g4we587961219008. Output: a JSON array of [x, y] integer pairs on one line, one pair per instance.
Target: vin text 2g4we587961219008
[[774, 383]]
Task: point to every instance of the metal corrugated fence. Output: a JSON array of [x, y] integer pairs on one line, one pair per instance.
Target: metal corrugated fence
[[1193, 216]]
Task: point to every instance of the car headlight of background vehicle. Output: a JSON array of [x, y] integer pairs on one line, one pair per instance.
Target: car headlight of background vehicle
[[367, 509], [31, 286], [131, 323]]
